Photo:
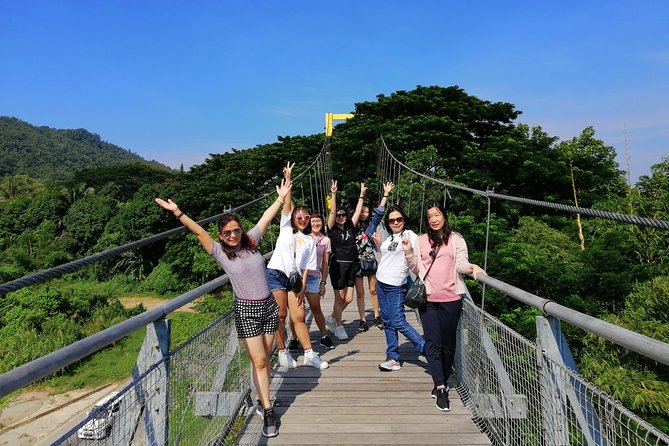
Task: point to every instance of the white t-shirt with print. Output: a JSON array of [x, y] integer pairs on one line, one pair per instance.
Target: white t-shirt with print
[[393, 269], [289, 243]]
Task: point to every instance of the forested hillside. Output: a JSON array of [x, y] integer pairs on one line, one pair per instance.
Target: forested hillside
[[53, 154], [622, 275]]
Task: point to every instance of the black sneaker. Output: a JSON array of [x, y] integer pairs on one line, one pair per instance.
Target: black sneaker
[[363, 327], [378, 323], [294, 345], [269, 425], [327, 342], [443, 402], [433, 394]]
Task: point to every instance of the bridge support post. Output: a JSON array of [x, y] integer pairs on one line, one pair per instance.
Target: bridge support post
[[147, 422], [559, 391]]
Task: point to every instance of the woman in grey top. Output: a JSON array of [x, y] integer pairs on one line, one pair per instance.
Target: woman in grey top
[[256, 312]]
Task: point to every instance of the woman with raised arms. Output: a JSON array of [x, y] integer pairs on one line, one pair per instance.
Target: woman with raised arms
[[256, 311]]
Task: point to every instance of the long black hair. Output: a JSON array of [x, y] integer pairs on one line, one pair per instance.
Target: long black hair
[[435, 238], [246, 242], [365, 223]]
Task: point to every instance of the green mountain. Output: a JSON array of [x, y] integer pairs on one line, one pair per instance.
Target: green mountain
[[55, 154]]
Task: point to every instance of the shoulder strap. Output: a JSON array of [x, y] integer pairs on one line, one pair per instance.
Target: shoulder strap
[[432, 264]]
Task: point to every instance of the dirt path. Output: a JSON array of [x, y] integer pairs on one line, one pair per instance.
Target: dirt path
[[152, 302]]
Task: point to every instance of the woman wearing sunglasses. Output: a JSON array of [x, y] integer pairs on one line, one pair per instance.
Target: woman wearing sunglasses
[[391, 277], [295, 251], [341, 230], [445, 251], [256, 312]]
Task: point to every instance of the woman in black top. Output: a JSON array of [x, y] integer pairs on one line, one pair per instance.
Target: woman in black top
[[342, 232]]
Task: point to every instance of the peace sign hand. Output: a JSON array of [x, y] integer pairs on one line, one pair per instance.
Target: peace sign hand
[[288, 170]]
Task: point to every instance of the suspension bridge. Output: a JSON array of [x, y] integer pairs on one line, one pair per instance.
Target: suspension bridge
[[507, 390]]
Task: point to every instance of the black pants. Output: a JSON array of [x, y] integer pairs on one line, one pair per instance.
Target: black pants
[[440, 322]]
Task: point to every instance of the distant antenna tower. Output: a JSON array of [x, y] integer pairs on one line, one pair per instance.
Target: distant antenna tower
[[627, 169], [627, 157]]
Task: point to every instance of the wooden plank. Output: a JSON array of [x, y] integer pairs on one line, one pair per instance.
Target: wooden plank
[[353, 402]]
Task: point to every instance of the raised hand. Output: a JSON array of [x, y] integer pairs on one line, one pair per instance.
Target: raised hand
[[167, 205], [406, 246], [288, 170], [283, 190], [388, 187], [333, 187], [363, 189]]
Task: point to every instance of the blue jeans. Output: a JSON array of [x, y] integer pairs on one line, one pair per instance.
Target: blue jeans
[[390, 306]]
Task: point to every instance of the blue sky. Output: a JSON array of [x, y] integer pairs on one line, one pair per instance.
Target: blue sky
[[175, 81]]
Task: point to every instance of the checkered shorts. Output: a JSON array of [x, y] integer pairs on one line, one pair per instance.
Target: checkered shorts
[[255, 317]]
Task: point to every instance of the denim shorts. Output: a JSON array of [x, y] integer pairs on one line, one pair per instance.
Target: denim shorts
[[276, 280], [313, 284]]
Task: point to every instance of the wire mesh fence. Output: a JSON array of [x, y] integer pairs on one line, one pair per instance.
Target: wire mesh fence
[[190, 398], [518, 395]]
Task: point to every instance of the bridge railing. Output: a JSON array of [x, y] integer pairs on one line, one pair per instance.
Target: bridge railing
[[189, 397], [523, 393]]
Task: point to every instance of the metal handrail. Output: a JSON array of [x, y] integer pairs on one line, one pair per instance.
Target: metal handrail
[[644, 345]]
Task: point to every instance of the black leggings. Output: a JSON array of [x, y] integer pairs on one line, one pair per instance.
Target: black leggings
[[440, 323]]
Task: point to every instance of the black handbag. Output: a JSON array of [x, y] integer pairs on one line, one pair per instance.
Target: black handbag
[[416, 297], [368, 264], [295, 281], [295, 278]]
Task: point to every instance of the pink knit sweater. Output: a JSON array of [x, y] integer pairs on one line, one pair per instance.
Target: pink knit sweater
[[444, 283]]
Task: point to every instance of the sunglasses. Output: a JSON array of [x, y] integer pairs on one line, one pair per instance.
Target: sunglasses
[[302, 218], [341, 215], [392, 221], [236, 231]]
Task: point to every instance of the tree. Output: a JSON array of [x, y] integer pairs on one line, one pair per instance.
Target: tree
[[86, 220], [641, 384]]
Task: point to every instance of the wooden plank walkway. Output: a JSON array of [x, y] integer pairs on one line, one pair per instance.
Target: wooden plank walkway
[[353, 402]]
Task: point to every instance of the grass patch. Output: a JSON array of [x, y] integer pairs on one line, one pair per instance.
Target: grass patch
[[115, 363]]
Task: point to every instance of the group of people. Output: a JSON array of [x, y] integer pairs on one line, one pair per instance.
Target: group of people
[[353, 249]]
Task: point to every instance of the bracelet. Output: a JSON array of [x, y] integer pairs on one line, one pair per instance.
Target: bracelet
[[181, 214], [280, 201], [385, 196], [361, 198], [323, 282]]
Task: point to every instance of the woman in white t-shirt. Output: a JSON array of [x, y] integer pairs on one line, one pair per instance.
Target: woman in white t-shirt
[[391, 278], [295, 251]]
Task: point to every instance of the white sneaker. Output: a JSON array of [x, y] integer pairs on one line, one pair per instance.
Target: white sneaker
[[340, 332], [313, 360], [390, 365], [330, 323], [286, 360]]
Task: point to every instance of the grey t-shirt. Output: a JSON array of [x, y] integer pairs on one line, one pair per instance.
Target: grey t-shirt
[[246, 271]]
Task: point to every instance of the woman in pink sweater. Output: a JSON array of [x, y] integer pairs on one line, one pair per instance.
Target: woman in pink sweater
[[445, 251]]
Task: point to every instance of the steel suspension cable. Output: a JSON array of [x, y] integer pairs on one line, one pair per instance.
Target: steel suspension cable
[[639, 221]]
